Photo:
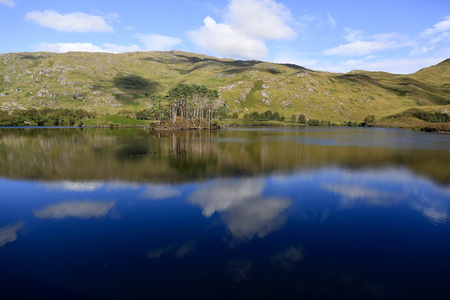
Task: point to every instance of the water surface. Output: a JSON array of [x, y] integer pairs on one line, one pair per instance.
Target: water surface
[[254, 213]]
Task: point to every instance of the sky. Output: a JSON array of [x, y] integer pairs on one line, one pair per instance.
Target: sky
[[396, 36]]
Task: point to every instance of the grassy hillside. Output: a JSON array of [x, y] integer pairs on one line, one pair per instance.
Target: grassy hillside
[[107, 83]]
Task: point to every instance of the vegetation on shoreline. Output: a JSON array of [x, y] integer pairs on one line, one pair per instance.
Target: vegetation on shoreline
[[160, 117]]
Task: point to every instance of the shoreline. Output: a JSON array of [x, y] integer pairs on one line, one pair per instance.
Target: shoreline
[[430, 128]]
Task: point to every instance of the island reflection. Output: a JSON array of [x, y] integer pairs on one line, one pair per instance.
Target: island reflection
[[138, 155]]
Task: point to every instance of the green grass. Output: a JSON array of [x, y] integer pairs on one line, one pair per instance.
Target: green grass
[[254, 96], [134, 77], [116, 121]]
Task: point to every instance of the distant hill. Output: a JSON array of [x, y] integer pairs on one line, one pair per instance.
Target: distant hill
[[104, 82]]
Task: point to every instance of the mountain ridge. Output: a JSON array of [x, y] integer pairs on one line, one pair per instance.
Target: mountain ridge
[[108, 83]]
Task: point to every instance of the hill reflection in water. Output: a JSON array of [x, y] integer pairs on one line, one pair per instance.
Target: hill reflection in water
[[244, 213]]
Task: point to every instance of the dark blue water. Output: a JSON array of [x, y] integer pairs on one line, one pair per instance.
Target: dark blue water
[[339, 218]]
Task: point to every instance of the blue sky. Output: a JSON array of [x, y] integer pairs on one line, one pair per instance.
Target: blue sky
[[338, 36]]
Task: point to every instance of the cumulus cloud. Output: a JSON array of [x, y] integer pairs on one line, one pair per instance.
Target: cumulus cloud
[[85, 47], [247, 25], [261, 19], [8, 3], [158, 42], [373, 43], [73, 22], [83, 209], [223, 40], [243, 209], [8, 233]]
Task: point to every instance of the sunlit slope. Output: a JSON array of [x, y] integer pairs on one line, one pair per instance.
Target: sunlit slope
[[104, 82]]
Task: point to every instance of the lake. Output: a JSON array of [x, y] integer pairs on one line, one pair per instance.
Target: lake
[[239, 213]]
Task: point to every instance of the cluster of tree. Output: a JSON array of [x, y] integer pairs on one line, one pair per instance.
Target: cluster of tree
[[45, 117], [351, 124], [265, 116], [436, 117], [191, 102], [314, 122], [194, 104], [369, 119], [300, 118]]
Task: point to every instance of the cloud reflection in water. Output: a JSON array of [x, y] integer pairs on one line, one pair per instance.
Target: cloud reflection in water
[[354, 192], [8, 233], [90, 186], [175, 251], [159, 192], [242, 207], [83, 209], [288, 257]]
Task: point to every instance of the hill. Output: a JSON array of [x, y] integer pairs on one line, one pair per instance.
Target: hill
[[107, 83]]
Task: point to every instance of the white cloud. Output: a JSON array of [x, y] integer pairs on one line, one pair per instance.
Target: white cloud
[[8, 233], [158, 42], [222, 40], [8, 3], [374, 43], [445, 36], [247, 25], [437, 28], [260, 19], [421, 50], [331, 21], [149, 41], [402, 65], [73, 22], [355, 48], [398, 65], [83, 209], [85, 47], [114, 48], [353, 35]]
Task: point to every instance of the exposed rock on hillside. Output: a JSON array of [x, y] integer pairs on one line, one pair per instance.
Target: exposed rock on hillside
[[105, 82]]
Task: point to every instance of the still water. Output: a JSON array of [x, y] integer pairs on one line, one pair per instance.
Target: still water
[[241, 213]]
